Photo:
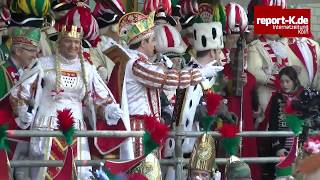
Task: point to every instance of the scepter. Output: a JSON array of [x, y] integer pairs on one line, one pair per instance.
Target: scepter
[[238, 69]]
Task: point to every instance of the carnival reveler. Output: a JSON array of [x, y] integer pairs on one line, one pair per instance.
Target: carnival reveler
[[144, 79], [23, 51], [56, 82]]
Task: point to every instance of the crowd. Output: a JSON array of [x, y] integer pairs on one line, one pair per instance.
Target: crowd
[[178, 65]]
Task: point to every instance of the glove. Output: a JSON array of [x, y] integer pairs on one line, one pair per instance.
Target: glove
[[210, 71], [25, 118], [112, 113]]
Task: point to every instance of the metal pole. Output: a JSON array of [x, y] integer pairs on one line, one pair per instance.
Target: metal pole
[[96, 163], [36, 133], [179, 153]]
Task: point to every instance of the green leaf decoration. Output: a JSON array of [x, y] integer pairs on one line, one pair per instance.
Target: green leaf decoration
[[68, 135], [231, 145], [148, 144], [294, 123], [207, 122]]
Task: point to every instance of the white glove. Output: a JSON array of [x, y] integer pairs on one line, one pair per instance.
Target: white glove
[[25, 118], [112, 113], [210, 71]]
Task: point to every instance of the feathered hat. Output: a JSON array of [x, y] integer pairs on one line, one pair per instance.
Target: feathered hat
[[108, 12], [29, 13], [28, 38], [80, 16], [135, 27]]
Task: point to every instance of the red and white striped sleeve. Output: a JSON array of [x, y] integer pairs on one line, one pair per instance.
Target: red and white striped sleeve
[[157, 76]]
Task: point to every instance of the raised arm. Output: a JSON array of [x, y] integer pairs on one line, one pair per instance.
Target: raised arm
[[157, 76]]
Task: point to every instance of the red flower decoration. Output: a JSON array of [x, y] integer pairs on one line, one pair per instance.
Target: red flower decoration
[[213, 102], [229, 130], [65, 119]]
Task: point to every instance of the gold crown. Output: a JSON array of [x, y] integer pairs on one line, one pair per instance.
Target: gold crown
[[71, 32], [203, 154], [135, 26]]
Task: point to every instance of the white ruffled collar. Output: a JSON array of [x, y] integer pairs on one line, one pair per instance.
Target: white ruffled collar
[[68, 61]]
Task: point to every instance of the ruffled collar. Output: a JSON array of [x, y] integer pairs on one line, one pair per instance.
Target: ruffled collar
[[67, 61]]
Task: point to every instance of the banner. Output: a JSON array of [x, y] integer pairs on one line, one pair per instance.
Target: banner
[[285, 22]]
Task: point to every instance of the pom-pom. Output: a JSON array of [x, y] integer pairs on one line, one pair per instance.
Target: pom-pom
[[157, 131], [66, 124], [207, 122], [231, 145], [229, 130], [213, 102]]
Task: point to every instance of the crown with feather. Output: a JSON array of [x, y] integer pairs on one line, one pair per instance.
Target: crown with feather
[[135, 27]]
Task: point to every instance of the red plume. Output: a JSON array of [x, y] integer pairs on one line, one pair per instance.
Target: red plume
[[66, 120], [213, 101], [229, 130], [160, 134], [149, 122], [158, 131]]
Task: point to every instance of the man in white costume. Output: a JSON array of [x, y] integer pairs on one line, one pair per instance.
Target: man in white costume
[[56, 82], [144, 79], [208, 42]]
